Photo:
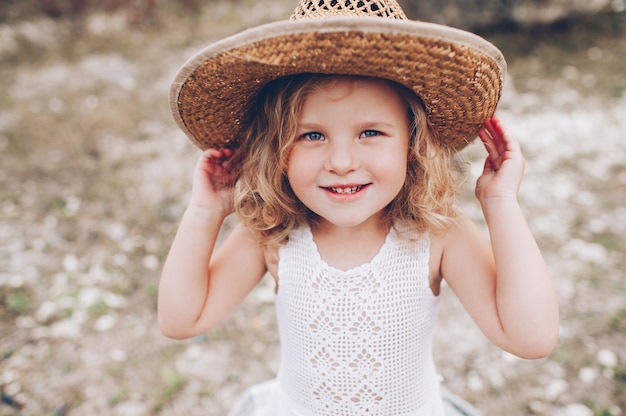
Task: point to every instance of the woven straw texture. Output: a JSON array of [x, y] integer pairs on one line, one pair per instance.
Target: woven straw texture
[[458, 75], [327, 8]]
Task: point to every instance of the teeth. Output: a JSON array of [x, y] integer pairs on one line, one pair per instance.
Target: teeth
[[346, 190]]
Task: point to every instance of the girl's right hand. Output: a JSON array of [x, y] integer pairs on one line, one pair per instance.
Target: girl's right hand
[[213, 181]]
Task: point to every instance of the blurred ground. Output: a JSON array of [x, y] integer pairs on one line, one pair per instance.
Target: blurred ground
[[95, 175]]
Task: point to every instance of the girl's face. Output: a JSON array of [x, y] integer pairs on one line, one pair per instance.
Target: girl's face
[[349, 157]]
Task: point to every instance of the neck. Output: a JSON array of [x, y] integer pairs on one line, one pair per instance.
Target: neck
[[348, 247]]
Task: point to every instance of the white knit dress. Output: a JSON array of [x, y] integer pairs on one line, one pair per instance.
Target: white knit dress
[[355, 342]]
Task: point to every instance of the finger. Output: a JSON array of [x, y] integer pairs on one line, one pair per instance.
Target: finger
[[217, 154], [227, 153], [493, 154], [227, 158], [211, 153], [211, 162], [510, 143], [498, 135], [488, 166], [487, 140]]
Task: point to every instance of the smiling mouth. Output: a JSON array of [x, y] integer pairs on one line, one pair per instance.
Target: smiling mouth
[[348, 190]]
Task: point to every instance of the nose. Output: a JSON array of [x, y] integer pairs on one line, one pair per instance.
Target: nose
[[341, 157]]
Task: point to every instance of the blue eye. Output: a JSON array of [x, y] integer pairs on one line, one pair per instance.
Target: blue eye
[[370, 133], [313, 136]]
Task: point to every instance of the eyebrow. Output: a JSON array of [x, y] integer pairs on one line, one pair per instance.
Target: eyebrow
[[378, 124], [309, 125], [364, 125]]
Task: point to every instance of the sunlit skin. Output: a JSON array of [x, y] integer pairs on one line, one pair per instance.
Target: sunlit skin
[[347, 163]]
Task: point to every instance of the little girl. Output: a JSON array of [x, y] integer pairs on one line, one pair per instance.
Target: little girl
[[334, 136]]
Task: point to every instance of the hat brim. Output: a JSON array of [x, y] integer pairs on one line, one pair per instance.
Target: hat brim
[[458, 75]]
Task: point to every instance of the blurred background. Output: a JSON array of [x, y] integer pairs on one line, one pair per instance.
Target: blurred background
[[94, 177]]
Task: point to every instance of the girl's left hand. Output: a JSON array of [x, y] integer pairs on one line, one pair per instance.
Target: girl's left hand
[[504, 167]]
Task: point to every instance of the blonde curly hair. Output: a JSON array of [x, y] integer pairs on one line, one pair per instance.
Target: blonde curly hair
[[264, 200]]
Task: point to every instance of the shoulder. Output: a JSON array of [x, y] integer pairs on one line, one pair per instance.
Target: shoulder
[[464, 249], [457, 247], [461, 234], [462, 230], [241, 247]]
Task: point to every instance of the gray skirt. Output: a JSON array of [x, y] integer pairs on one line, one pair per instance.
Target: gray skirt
[[257, 396]]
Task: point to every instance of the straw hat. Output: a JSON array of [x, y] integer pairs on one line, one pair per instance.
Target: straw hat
[[457, 74]]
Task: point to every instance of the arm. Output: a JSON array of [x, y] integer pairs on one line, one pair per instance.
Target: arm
[[505, 285], [198, 289]]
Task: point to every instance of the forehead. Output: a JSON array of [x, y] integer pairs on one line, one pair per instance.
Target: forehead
[[336, 85], [362, 94]]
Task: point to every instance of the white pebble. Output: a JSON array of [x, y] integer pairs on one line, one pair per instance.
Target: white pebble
[[114, 300], [618, 6], [89, 296], [594, 53], [194, 351], [12, 389], [151, 262], [70, 263], [46, 310], [570, 72], [8, 376], [120, 259], [65, 329], [116, 231], [474, 382], [118, 355], [132, 408], [607, 358], [587, 375], [577, 409], [72, 205], [556, 388], [16, 280], [105, 322], [24, 322], [56, 105], [538, 407]]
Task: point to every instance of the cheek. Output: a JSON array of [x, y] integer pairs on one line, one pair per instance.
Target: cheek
[[396, 170], [393, 162], [300, 154], [298, 168]]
